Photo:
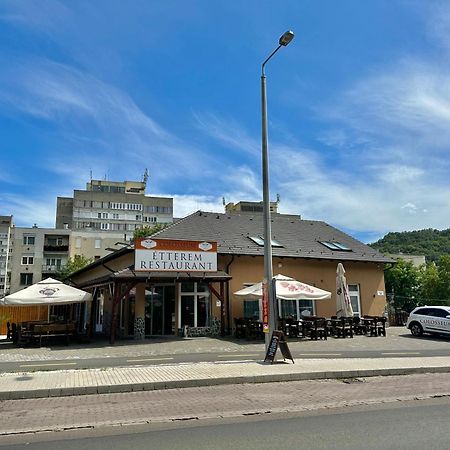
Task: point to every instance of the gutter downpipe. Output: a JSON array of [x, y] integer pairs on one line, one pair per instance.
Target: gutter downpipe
[[228, 296]]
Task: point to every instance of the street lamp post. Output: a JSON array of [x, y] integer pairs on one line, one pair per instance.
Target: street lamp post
[[268, 270]]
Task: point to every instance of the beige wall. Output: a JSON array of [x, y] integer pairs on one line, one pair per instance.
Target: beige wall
[[246, 269], [87, 241], [322, 274]]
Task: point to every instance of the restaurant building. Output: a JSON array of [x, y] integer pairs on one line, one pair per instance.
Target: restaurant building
[[149, 299]]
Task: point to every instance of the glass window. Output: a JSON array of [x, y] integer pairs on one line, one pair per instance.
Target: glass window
[[98, 243], [295, 309], [439, 313], [26, 279], [187, 286], [28, 240], [27, 260], [260, 241], [335, 246], [187, 310], [251, 309], [202, 311], [288, 309], [202, 287], [306, 307], [353, 292], [195, 304]]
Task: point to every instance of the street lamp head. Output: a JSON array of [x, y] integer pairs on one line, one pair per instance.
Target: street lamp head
[[286, 38]]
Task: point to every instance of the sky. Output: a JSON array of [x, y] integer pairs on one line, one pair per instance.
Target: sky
[[358, 106]]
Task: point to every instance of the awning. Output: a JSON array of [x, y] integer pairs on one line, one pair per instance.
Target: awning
[[157, 277], [46, 292], [287, 289]]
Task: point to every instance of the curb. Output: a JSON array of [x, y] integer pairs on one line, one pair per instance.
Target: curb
[[203, 382]]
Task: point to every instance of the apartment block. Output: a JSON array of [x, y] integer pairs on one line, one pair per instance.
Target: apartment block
[[111, 207], [6, 225], [38, 254], [250, 207]]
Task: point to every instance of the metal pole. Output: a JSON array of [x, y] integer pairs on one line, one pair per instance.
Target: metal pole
[[268, 270]]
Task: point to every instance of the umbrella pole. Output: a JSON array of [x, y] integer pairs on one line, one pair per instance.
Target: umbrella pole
[[48, 313]]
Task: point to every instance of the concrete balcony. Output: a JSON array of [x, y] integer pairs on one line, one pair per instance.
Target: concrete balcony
[[56, 248], [50, 269]]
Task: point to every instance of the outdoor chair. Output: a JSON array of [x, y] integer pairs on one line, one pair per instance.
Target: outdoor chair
[[371, 325], [344, 327], [380, 324], [319, 329], [240, 326], [331, 325], [254, 330], [358, 326]]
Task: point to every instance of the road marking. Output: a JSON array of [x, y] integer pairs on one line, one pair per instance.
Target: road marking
[[232, 355], [148, 359], [402, 353], [49, 364], [320, 354]]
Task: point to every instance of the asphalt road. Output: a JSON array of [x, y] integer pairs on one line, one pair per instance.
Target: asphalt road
[[405, 425], [99, 354], [128, 361]]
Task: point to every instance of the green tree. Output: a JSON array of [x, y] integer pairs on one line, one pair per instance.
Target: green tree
[[148, 230], [73, 264], [403, 283], [435, 282]]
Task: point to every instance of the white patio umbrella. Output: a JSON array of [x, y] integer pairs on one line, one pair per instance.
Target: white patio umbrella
[[46, 292], [287, 289], [343, 302]]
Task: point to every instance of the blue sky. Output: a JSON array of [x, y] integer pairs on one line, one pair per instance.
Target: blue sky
[[358, 103]]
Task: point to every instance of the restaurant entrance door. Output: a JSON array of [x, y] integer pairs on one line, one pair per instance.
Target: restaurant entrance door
[[160, 310]]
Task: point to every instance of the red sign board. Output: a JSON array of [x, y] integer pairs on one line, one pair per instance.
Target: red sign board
[[265, 306]]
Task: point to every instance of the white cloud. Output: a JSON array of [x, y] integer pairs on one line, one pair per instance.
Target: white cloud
[[187, 204], [122, 136], [28, 210], [228, 132], [45, 15]]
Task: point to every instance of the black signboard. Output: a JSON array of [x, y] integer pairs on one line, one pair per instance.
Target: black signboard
[[276, 341]]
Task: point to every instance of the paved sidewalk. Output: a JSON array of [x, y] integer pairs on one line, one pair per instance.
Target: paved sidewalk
[[176, 406], [132, 379]]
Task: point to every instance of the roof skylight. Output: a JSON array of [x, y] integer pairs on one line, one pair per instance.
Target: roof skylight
[[260, 241], [336, 246]]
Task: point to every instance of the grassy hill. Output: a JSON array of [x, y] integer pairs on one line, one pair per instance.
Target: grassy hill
[[431, 243]]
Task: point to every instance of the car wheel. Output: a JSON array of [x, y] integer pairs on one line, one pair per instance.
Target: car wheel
[[416, 329]]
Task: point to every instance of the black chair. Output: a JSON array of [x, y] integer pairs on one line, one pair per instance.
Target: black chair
[[380, 325], [254, 330], [371, 325], [240, 327], [319, 329], [358, 326], [14, 333], [344, 327]]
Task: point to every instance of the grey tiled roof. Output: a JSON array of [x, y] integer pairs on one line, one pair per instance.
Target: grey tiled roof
[[299, 238]]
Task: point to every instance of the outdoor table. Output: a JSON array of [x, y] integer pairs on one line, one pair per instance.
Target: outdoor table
[[29, 332]]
